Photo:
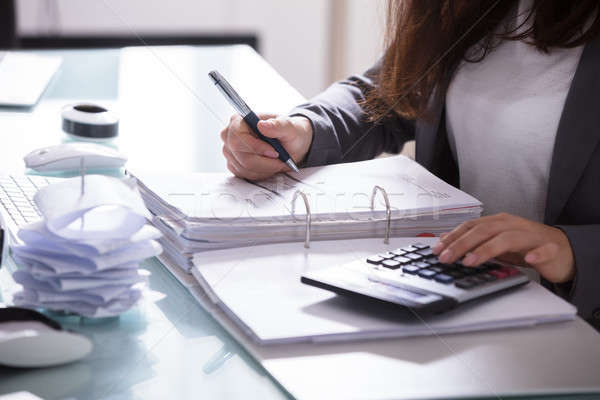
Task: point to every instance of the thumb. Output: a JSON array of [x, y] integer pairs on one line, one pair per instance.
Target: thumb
[[279, 128]]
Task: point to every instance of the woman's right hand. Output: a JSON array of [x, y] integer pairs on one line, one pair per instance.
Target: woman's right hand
[[251, 158]]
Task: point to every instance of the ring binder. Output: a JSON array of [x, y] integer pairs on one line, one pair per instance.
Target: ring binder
[[388, 211], [308, 215]]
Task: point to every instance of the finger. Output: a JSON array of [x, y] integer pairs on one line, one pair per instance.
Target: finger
[[279, 128], [242, 142], [232, 164], [505, 242], [542, 254], [470, 240], [253, 167], [460, 230]]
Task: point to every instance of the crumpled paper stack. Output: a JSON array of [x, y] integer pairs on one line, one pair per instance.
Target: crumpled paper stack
[[83, 257]]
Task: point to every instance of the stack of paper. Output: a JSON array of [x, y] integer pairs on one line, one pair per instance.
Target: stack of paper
[[84, 256], [199, 212]]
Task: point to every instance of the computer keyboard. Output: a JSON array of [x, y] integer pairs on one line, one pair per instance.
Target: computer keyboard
[[16, 199], [413, 277]]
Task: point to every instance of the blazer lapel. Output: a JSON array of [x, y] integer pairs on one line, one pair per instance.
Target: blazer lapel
[[578, 132]]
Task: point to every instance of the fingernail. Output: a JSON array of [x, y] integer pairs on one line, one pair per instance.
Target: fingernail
[[268, 123], [271, 154], [438, 248], [531, 258], [470, 260], [446, 256]]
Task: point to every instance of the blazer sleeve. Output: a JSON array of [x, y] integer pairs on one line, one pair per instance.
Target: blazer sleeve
[[341, 130], [585, 289]]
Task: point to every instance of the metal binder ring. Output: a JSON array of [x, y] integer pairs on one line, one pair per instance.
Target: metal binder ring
[[308, 215], [388, 211]]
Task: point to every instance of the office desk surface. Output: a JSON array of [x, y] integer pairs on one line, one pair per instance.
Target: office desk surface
[[171, 348]]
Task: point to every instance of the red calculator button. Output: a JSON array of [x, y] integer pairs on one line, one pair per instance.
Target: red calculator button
[[510, 271], [500, 274]]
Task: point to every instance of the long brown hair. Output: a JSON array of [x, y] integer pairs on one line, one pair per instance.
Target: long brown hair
[[427, 39]]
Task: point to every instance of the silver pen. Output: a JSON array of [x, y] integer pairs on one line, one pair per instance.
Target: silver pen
[[250, 117]]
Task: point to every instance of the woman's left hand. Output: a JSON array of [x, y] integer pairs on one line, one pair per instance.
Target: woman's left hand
[[511, 239]]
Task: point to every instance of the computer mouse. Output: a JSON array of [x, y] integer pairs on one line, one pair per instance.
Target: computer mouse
[[29, 339], [68, 156]]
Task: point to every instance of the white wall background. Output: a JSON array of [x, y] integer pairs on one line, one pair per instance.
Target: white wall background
[[296, 36]]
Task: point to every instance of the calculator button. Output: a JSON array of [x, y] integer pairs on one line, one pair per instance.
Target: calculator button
[[466, 283], [510, 271], [498, 273], [391, 264], [455, 274], [443, 278], [487, 277], [437, 269], [374, 260], [413, 256], [410, 269], [402, 260], [409, 249], [420, 264], [399, 252], [426, 273], [420, 246], [432, 260], [468, 271], [425, 252], [387, 256]]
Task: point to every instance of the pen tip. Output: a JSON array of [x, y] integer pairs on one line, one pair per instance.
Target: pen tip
[[292, 165]]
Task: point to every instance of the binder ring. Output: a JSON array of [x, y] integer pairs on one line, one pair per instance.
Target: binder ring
[[388, 211], [308, 215]]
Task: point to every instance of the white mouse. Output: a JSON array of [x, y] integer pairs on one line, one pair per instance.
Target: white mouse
[[67, 157], [29, 339]]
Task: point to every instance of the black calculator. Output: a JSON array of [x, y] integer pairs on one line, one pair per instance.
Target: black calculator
[[413, 277]]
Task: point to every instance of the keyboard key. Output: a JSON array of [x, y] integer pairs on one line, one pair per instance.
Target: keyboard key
[[420, 246], [374, 260], [510, 271], [387, 256], [413, 256], [425, 252], [426, 273], [410, 269], [438, 269], [455, 274], [468, 270], [402, 260], [443, 278], [399, 252]]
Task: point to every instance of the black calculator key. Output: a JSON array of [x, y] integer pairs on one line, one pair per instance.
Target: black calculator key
[[443, 278], [425, 252], [437, 269], [413, 256], [455, 274], [399, 252], [487, 277], [402, 260], [409, 249], [420, 264], [387, 256], [374, 260], [426, 273], [466, 283], [391, 264], [420, 246], [410, 269], [468, 270]]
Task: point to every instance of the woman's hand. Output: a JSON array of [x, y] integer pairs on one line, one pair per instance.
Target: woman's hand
[[511, 239], [251, 158]]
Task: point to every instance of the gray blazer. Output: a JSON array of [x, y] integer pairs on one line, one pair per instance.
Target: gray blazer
[[342, 134]]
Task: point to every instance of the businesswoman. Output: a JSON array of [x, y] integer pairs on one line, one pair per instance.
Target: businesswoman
[[502, 97]]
